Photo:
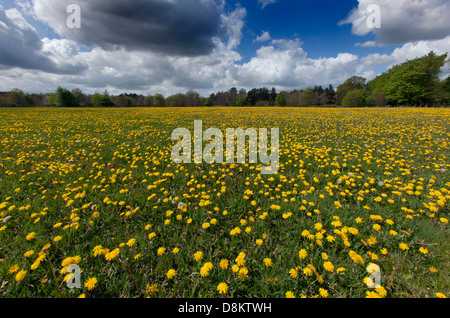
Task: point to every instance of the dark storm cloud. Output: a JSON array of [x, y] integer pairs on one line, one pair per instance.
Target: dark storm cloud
[[21, 47], [175, 27]]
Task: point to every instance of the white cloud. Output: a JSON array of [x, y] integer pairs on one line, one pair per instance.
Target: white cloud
[[281, 63], [265, 36], [403, 21], [367, 44], [265, 3]]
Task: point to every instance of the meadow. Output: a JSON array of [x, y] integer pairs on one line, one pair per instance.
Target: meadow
[[97, 188]]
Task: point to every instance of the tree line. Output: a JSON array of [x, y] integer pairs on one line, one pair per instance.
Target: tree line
[[414, 82]]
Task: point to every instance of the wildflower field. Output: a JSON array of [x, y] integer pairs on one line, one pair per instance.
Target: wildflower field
[[358, 191]]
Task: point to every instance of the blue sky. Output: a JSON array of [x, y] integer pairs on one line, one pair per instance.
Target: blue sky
[[149, 46]]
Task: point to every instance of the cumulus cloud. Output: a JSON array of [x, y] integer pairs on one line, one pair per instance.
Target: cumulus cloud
[[402, 21], [175, 27], [265, 36], [20, 46], [285, 65]]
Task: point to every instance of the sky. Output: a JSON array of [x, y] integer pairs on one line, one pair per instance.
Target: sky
[[172, 46]]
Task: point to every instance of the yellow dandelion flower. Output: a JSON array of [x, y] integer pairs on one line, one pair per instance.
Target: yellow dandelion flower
[[171, 273], [268, 262], [131, 242], [113, 254], [302, 254], [329, 267], [91, 283], [28, 254], [323, 292], [153, 288], [198, 256], [161, 251], [30, 236], [224, 264], [289, 294], [403, 246], [13, 269], [222, 288], [20, 275], [293, 272]]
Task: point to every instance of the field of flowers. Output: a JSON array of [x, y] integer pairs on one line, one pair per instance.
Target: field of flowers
[[98, 188]]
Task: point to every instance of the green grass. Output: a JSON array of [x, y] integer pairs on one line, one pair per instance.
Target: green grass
[[60, 165]]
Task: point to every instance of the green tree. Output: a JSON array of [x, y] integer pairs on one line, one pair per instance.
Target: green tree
[[101, 100], [306, 97], [353, 83], [64, 98], [241, 100], [159, 100], [280, 100], [413, 82], [354, 98], [208, 102], [96, 99], [128, 102]]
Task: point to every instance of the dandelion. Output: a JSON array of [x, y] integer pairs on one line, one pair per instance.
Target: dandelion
[[259, 242], [204, 271], [28, 254], [198, 256], [240, 259], [20, 275], [113, 254], [222, 288], [91, 283], [356, 258], [224, 264], [175, 250], [423, 250], [302, 254], [30, 236], [323, 292], [161, 251], [153, 288], [131, 242], [372, 294], [289, 294], [329, 267], [440, 295], [293, 272], [243, 273], [381, 291], [403, 246], [171, 273], [268, 262], [13, 269], [98, 250]]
